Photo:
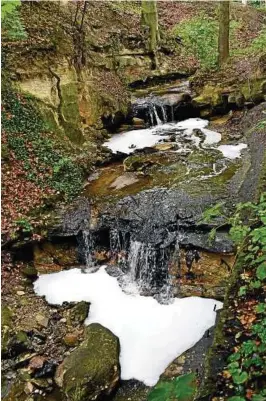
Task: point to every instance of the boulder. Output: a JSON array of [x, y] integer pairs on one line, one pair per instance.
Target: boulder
[[92, 370]]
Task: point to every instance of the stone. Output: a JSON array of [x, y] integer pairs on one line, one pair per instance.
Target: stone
[[92, 370], [20, 293], [139, 122], [14, 344], [131, 390], [52, 257], [79, 312], [173, 99], [37, 362], [30, 271], [29, 388], [47, 370], [137, 163], [23, 360], [16, 392], [124, 181], [41, 383], [166, 146], [42, 320], [71, 339]]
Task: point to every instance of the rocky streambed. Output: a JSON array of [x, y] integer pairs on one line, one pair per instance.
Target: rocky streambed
[[139, 245]]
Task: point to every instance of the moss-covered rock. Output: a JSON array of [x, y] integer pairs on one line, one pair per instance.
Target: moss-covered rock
[[216, 97], [6, 316], [92, 370], [79, 312], [14, 343], [137, 162]]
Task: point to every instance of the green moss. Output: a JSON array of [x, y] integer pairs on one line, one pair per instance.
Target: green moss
[[92, 369], [211, 95], [69, 105], [252, 90], [22, 338], [6, 316]]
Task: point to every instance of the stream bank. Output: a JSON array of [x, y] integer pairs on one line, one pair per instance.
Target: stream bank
[[106, 222]]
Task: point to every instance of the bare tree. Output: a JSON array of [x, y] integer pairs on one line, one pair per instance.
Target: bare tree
[[223, 42]]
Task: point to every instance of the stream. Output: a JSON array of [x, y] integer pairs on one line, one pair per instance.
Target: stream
[[149, 207]]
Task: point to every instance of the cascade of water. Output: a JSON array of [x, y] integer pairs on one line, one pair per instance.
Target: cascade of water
[[148, 267], [164, 114], [157, 119], [88, 248], [151, 115]]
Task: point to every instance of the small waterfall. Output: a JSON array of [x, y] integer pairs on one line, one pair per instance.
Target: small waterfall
[[157, 119], [144, 267], [151, 116], [87, 249], [148, 267], [164, 114]]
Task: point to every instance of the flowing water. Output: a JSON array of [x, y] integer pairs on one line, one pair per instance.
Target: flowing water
[[137, 304]]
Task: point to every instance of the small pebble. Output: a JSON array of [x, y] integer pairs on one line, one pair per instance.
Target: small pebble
[[20, 293], [63, 320]]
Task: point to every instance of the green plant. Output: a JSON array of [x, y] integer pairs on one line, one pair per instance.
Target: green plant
[[200, 38], [12, 27], [181, 388], [246, 364], [24, 225], [28, 138]]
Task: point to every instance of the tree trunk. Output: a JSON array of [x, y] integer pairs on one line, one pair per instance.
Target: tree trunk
[[149, 18], [223, 43]]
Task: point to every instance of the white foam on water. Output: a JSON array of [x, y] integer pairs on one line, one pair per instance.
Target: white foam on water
[[128, 142], [211, 137], [151, 334], [232, 151], [140, 139]]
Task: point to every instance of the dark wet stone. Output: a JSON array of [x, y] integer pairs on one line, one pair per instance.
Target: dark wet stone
[[74, 220], [47, 370]]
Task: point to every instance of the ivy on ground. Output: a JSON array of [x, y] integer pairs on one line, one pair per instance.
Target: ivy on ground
[[244, 376], [36, 166]]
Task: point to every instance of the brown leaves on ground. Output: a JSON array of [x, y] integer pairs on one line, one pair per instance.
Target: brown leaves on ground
[[246, 314], [19, 194]]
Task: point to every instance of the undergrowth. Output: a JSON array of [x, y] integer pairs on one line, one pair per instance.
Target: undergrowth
[[243, 376], [199, 36], [28, 138]]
